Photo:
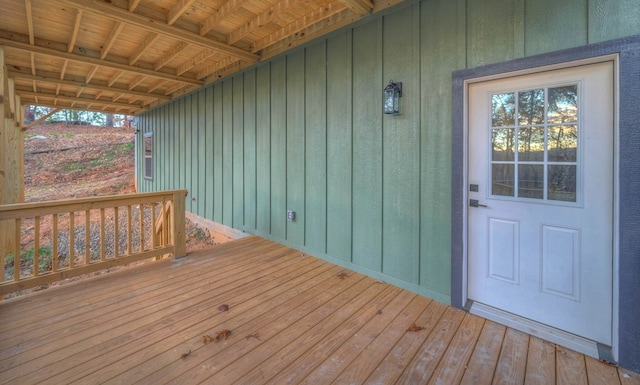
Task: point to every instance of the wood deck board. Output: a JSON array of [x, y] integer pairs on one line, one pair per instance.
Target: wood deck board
[[293, 319]]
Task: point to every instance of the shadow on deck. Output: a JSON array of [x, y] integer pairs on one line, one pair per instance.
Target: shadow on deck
[[292, 318]]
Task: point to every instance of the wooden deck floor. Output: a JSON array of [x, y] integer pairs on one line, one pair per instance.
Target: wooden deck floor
[[293, 318]]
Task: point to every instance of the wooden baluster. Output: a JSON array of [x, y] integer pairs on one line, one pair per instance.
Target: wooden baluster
[[54, 258], [116, 235], [87, 237], [102, 240], [166, 230], [36, 247], [16, 251], [72, 240], [154, 237], [129, 228], [141, 227]]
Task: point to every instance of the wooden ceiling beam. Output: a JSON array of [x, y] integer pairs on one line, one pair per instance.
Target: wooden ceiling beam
[[208, 70], [72, 106], [133, 4], [97, 87], [194, 61], [115, 13], [76, 28], [294, 29], [27, 4], [113, 36], [359, 7], [228, 7], [168, 56], [86, 59], [73, 98], [271, 14], [178, 10], [335, 21], [152, 37]]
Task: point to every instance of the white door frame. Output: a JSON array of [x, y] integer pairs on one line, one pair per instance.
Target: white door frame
[[465, 193]]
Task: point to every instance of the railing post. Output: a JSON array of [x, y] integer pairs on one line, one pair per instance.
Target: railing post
[[178, 223]]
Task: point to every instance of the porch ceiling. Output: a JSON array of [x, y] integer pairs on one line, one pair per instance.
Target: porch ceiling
[[124, 56]]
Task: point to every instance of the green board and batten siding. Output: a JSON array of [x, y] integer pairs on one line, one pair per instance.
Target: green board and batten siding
[[305, 131]]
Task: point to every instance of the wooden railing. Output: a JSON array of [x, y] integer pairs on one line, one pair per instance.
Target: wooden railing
[[45, 242]]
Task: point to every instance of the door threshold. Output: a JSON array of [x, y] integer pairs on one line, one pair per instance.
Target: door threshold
[[545, 332]]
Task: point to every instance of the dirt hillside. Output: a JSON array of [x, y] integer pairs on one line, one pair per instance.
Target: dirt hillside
[[72, 161]]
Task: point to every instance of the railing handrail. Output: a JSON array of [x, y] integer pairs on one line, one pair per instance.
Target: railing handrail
[[166, 234], [26, 210]]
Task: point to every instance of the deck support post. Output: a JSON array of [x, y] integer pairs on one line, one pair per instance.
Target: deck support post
[[11, 157], [177, 224]]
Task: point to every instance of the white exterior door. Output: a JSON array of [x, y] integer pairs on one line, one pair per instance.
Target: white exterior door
[[540, 215]]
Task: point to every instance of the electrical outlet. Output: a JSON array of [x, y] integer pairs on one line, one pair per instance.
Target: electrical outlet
[[291, 215]]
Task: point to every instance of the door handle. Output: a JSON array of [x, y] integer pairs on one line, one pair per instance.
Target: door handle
[[475, 203]]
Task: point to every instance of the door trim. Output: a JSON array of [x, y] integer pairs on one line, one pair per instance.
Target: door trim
[[557, 336]]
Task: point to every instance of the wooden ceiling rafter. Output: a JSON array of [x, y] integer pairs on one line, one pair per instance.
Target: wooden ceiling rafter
[[87, 59], [113, 35], [170, 55], [177, 11], [123, 15], [149, 51], [227, 8], [150, 39], [72, 98], [269, 15]]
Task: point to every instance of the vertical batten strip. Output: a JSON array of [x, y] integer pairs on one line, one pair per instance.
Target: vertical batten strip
[[102, 238], [87, 237], [54, 252], [16, 250], [72, 240], [36, 247]]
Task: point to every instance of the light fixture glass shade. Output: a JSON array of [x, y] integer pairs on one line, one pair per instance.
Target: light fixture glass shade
[[391, 98]]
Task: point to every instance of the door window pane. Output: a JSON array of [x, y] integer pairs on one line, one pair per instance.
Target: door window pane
[[563, 143], [531, 107], [503, 110], [535, 143], [531, 144], [531, 181], [503, 144], [503, 179], [562, 183], [563, 104]]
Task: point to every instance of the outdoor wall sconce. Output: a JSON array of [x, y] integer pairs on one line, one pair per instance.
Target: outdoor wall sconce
[[391, 98]]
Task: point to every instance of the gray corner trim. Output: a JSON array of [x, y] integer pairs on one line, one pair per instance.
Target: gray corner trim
[[628, 50]]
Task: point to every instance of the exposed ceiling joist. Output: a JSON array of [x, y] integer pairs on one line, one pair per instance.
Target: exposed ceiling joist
[[75, 83], [133, 4], [113, 35], [45, 50], [228, 7], [123, 15], [360, 7], [76, 28], [173, 52], [269, 15], [145, 45], [27, 4], [178, 10], [71, 99]]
